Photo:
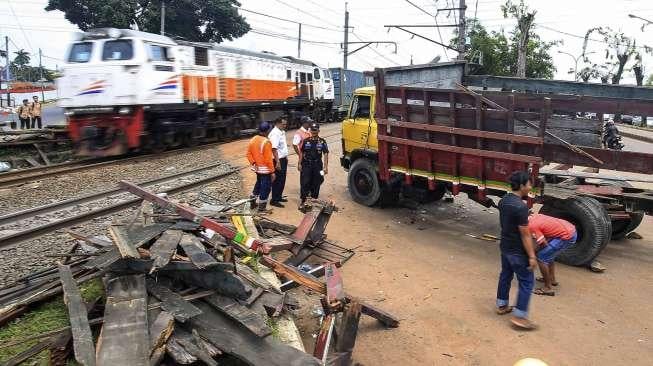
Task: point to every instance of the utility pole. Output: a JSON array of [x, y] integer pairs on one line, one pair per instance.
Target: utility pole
[[7, 70], [41, 79], [299, 42], [346, 43], [461, 30], [163, 18]]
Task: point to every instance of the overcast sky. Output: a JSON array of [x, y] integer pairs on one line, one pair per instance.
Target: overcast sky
[[30, 27]]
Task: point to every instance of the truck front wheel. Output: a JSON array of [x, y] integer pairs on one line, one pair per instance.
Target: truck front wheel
[[364, 184], [593, 228]]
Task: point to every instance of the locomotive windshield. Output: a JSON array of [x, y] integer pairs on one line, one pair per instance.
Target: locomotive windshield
[[80, 52], [117, 50]]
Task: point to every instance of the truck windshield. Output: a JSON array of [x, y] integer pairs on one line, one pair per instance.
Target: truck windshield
[[80, 52], [360, 106], [117, 50]]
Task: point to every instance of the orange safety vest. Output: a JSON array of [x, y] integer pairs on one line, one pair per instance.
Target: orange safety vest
[[259, 154]]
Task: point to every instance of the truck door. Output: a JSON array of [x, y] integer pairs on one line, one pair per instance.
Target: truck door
[[359, 130]]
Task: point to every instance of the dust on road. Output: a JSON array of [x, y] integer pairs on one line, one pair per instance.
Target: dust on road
[[421, 266]]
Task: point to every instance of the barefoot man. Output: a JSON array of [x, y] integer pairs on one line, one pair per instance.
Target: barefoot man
[[552, 236]]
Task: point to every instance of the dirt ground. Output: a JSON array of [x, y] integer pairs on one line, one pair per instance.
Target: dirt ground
[[441, 283]]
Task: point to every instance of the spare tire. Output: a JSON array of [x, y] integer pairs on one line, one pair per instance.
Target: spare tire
[[593, 227]]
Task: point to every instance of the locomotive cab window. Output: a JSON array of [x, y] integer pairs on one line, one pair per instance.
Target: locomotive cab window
[[201, 56], [316, 74], [288, 75], [360, 107], [80, 52], [159, 53], [117, 50]]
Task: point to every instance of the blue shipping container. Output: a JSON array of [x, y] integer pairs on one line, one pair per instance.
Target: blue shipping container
[[345, 82]]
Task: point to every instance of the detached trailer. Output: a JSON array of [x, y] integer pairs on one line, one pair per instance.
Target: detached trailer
[[430, 132]]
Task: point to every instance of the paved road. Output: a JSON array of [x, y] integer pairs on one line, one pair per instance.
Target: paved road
[[637, 145]]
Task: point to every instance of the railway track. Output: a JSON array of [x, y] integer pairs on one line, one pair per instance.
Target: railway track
[[34, 222], [28, 175]]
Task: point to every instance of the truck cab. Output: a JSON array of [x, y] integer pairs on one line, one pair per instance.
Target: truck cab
[[359, 127]]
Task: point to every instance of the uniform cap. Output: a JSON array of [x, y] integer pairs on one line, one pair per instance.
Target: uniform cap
[[315, 127], [264, 126], [306, 119]]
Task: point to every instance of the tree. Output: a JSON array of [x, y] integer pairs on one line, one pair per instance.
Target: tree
[[525, 21], [22, 58], [193, 20], [497, 54], [649, 81], [618, 52]]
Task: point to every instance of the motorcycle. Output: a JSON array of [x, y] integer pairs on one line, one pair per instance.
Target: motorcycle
[[611, 137]]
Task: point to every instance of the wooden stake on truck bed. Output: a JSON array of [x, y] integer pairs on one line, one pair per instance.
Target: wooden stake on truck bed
[[530, 124]]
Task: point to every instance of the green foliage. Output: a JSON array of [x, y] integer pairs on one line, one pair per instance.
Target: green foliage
[[22, 58], [497, 53], [193, 20], [43, 318], [649, 81]]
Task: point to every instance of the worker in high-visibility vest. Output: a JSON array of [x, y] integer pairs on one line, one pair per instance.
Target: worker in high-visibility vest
[[261, 159]]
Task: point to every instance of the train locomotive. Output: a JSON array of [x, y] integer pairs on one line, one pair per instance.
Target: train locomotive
[[124, 90]]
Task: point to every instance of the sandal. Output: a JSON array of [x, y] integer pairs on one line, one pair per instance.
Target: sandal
[[543, 292], [523, 323], [504, 310], [541, 279]]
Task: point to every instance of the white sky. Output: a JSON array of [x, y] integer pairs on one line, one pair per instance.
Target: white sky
[[50, 31]]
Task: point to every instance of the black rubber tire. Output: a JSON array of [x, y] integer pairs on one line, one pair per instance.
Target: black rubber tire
[[593, 226], [363, 182]]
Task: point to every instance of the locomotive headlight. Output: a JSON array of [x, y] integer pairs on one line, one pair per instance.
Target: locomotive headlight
[[68, 113], [124, 110]]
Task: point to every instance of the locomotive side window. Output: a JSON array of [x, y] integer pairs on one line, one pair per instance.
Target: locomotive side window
[[201, 56], [288, 74], [117, 50], [316, 74], [159, 53], [81, 52]]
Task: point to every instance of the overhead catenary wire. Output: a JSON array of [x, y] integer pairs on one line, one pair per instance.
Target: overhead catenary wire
[[20, 26], [290, 20]]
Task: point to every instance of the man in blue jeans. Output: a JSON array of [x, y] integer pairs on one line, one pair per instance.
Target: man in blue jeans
[[517, 251]]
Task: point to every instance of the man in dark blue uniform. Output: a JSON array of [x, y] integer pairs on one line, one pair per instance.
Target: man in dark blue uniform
[[313, 164]]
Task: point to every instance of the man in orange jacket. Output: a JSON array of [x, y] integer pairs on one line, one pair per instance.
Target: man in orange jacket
[[259, 154]]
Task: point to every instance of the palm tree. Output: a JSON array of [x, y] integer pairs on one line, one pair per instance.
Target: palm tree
[[22, 58]]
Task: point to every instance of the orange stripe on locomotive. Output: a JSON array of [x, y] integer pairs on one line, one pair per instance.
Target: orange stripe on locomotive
[[212, 88]]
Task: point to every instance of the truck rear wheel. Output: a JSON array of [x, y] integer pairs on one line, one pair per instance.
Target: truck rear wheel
[[593, 227], [363, 182], [621, 228]]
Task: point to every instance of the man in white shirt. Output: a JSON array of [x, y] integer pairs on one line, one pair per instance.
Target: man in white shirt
[[280, 151]]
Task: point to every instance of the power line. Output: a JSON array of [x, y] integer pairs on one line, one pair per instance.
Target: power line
[[20, 26], [289, 20], [581, 37], [307, 13], [377, 52]]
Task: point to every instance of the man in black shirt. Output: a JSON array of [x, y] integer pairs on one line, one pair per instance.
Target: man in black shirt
[[517, 251], [312, 151]]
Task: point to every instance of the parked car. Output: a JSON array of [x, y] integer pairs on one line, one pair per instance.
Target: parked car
[[627, 119]]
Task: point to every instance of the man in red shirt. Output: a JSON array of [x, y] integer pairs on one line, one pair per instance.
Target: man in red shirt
[[552, 235]]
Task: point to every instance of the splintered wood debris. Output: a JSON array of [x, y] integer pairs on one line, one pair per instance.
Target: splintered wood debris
[[180, 288]]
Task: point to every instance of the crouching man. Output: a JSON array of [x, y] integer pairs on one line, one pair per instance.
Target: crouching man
[[552, 236]]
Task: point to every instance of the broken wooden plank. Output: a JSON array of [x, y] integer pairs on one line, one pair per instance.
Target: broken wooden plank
[[121, 240], [160, 330], [347, 331], [178, 353], [323, 340], [60, 349], [103, 260], [313, 283], [30, 352], [196, 252], [172, 302], [190, 344], [124, 339], [233, 339], [164, 247], [90, 239], [241, 314], [335, 292], [78, 315], [42, 154]]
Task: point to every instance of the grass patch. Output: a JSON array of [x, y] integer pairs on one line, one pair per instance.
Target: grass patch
[[274, 325], [43, 318]]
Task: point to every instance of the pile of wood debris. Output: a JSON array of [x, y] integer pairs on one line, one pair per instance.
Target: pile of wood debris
[[182, 287]]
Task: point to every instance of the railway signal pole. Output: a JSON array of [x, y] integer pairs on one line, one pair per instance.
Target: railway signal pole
[[299, 42], [163, 18]]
